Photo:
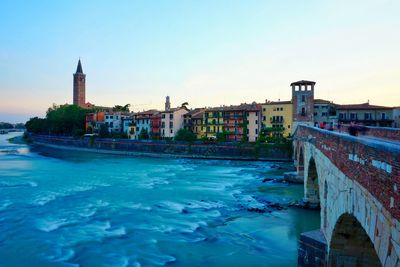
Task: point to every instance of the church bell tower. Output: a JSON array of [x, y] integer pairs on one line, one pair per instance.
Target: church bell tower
[[79, 86]]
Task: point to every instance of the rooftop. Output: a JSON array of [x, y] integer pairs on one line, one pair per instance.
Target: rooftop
[[241, 107], [277, 102], [363, 106], [302, 82]]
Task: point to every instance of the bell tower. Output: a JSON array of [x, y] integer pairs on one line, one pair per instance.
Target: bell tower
[[79, 86], [303, 103]]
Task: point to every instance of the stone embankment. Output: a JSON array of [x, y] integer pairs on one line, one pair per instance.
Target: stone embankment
[[160, 148]]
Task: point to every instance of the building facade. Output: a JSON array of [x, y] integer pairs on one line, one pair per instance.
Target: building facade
[[325, 114], [366, 114], [172, 121], [278, 114]]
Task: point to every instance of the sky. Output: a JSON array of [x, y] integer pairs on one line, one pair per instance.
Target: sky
[[206, 53]]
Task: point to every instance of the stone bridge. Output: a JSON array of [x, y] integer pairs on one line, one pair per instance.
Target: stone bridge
[[355, 180]]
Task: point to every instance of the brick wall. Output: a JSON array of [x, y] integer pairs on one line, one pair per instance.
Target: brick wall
[[379, 132]]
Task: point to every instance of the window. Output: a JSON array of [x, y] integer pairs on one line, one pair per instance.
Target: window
[[288, 126], [367, 116], [256, 121], [171, 124], [353, 116], [111, 124], [315, 113], [324, 114], [303, 111], [303, 98], [163, 116], [163, 124], [256, 131], [383, 116], [172, 131], [342, 116], [171, 116], [264, 118], [263, 109], [111, 117]]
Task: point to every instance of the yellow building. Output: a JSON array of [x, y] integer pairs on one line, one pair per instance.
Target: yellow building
[[197, 124], [213, 122], [131, 132], [278, 115]]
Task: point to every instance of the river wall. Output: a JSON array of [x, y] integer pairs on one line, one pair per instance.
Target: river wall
[[198, 149]]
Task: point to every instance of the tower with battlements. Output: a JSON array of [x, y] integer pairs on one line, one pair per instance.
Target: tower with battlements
[[303, 103]]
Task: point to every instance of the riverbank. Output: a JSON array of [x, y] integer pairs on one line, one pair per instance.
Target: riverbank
[[195, 150]]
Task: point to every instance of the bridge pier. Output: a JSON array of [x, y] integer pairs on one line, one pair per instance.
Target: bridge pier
[[312, 249]]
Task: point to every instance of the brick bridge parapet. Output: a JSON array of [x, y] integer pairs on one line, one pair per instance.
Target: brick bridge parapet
[[358, 183]]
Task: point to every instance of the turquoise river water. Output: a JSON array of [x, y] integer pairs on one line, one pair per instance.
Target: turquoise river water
[[61, 208]]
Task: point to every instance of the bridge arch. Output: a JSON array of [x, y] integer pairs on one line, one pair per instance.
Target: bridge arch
[[300, 161], [350, 244], [312, 194]]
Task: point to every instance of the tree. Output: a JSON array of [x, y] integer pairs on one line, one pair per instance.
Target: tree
[[65, 119], [185, 135], [36, 125], [122, 108], [19, 126], [144, 134], [221, 137], [103, 131], [272, 135], [6, 125]]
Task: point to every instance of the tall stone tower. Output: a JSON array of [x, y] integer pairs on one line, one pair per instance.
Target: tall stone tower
[[79, 86], [303, 103], [167, 104]]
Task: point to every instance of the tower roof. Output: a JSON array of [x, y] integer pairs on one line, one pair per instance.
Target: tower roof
[[303, 82], [79, 68]]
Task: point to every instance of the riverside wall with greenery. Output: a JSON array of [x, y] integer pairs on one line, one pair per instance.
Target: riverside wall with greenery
[[196, 149]]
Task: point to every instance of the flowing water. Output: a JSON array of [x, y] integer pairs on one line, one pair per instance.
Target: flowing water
[[61, 208]]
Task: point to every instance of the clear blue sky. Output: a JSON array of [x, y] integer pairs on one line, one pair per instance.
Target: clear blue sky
[[207, 53]]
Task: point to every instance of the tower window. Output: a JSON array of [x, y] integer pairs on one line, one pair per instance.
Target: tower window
[[303, 98]]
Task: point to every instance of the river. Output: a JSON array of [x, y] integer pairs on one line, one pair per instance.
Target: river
[[63, 208]]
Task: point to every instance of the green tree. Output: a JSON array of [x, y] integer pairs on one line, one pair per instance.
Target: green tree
[[6, 125], [103, 131], [221, 137], [122, 108], [19, 126], [185, 135], [144, 134], [37, 125], [66, 119]]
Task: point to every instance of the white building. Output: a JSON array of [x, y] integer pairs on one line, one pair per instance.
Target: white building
[[171, 121], [113, 121], [253, 124]]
